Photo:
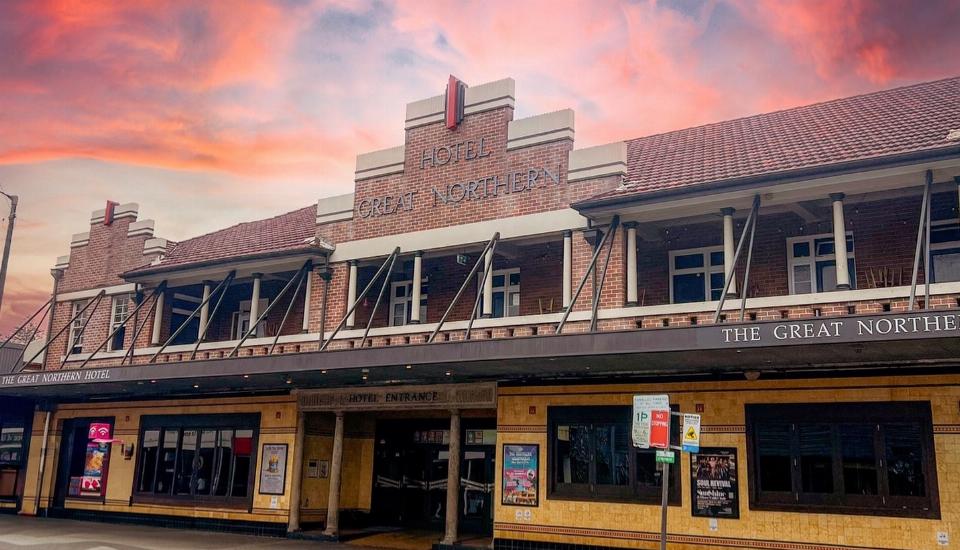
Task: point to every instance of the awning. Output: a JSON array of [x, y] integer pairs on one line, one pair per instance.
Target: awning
[[926, 338]]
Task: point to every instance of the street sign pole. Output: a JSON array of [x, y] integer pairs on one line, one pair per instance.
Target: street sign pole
[[664, 492]]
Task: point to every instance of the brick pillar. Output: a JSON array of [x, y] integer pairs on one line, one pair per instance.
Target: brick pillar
[[614, 288]]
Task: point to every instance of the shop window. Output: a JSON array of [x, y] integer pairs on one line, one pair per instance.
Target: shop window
[[11, 455], [695, 274], [401, 297], [118, 314], [813, 265], [592, 457], [506, 292], [197, 457], [859, 458], [76, 327], [944, 251]]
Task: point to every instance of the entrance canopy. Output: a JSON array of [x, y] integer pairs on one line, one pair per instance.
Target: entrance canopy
[[817, 344]]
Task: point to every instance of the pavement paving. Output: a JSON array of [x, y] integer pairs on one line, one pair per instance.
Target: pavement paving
[[30, 533]]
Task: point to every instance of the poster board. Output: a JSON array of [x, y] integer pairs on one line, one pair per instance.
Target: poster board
[[713, 483], [520, 483], [273, 468]]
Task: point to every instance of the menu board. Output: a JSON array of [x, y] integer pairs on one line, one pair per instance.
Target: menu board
[[713, 486], [521, 476]]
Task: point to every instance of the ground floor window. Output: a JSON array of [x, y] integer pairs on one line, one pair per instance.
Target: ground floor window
[[863, 458], [12, 442], [592, 457], [203, 456]]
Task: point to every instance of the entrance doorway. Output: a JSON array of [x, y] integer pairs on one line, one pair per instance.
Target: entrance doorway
[[410, 474], [84, 460]]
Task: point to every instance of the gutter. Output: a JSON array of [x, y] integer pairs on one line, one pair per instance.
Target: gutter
[[321, 250], [787, 176]]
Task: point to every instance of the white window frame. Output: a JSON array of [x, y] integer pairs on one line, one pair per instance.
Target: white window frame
[[813, 259], [949, 245], [76, 337], [117, 318], [706, 270], [506, 289], [407, 300]]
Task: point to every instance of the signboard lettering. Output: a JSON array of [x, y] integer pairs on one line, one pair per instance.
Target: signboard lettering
[[690, 442], [453, 153], [660, 429], [642, 405]]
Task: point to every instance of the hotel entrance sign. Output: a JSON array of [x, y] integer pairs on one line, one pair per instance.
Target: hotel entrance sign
[[643, 405]]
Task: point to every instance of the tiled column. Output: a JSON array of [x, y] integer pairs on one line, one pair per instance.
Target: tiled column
[[840, 242], [351, 292], [631, 229], [453, 481], [336, 463], [297, 480], [204, 311], [487, 309], [728, 252], [567, 268], [415, 293]]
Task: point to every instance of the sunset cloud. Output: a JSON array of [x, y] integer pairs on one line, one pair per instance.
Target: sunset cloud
[[194, 109]]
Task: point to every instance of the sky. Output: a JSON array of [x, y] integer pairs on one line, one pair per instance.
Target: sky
[[212, 113]]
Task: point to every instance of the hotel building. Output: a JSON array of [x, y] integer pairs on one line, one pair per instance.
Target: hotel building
[[455, 346]]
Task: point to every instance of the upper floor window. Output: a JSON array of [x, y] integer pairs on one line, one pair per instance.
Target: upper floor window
[[118, 314], [506, 292], [813, 265], [944, 251], [695, 274], [76, 327], [401, 298], [863, 458]]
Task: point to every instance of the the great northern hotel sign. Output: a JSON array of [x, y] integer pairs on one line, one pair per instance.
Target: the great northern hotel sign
[[477, 187]]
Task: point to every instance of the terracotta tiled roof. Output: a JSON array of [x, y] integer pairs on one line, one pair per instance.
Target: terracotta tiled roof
[[912, 119], [286, 232]]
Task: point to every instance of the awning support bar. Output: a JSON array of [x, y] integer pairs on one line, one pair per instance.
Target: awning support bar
[[115, 331], [27, 322], [746, 273], [202, 332], [586, 274], [359, 299], [186, 322], [376, 305], [923, 238], [728, 277], [483, 281], [603, 276], [96, 304], [283, 292], [303, 275], [463, 287], [161, 288], [32, 336]]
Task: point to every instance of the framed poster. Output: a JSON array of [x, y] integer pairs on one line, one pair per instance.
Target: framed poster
[[713, 485], [521, 475], [93, 482], [273, 468]]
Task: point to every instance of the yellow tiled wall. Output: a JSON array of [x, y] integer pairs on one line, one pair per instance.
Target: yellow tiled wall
[[278, 423], [522, 418]]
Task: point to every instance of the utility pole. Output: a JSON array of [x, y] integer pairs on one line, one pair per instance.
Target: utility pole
[[6, 247]]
